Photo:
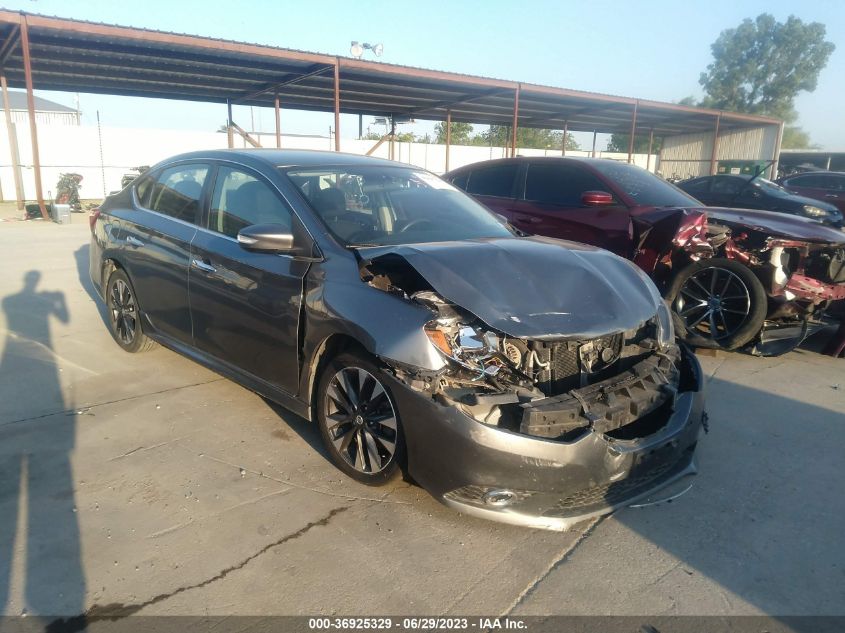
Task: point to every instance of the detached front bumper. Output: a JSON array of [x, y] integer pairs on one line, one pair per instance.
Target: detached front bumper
[[524, 480]]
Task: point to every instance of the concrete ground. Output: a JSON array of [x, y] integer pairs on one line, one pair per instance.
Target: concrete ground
[[148, 484]]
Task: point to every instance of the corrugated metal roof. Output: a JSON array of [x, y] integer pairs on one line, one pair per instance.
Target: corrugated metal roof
[[77, 56]]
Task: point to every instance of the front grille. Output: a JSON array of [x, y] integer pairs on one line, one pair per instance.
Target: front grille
[[611, 493], [619, 491], [565, 369]]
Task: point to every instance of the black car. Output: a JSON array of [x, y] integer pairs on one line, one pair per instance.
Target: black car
[[747, 192], [523, 379]]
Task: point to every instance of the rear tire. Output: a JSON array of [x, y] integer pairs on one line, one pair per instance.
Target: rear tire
[[717, 303], [358, 419], [124, 314]]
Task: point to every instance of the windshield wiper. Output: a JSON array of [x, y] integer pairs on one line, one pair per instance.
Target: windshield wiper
[[757, 173]]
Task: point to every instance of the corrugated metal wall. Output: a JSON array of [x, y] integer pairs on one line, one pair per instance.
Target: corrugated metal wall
[[688, 155]]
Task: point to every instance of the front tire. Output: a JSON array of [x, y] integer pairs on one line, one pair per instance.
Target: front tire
[[124, 314], [717, 303], [358, 420]]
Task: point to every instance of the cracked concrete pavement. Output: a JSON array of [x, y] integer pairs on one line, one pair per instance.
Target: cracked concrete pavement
[[148, 484]]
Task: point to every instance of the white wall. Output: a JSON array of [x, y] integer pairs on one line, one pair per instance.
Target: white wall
[[77, 149]]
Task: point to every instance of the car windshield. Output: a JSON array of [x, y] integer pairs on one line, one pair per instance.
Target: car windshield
[[383, 205], [642, 186]]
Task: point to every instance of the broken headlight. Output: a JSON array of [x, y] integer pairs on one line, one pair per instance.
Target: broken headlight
[[468, 346]]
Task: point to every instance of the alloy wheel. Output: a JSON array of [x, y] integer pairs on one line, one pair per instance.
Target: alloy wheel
[[713, 302], [124, 313], [360, 420]]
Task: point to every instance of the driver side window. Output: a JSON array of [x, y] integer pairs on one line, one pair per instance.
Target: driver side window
[[561, 185], [241, 200]]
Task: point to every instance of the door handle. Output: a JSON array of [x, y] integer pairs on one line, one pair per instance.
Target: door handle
[[133, 241], [204, 267], [831, 195]]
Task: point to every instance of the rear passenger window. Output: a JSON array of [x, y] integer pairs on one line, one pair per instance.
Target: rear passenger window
[[562, 185], [492, 181], [142, 190], [177, 192]]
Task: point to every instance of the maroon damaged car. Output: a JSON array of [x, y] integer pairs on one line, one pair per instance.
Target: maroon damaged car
[[730, 275]]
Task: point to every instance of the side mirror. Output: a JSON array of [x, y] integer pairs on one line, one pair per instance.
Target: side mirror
[[266, 238], [596, 198]]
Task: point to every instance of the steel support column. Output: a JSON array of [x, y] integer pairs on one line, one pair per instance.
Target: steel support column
[[594, 144], [563, 142], [448, 135], [337, 105], [230, 135], [776, 154], [633, 132], [13, 144], [650, 145], [715, 149], [278, 121], [515, 119], [33, 131]]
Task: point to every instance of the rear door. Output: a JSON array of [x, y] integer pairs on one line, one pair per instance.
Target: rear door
[[245, 305], [550, 204], [494, 186], [156, 241]]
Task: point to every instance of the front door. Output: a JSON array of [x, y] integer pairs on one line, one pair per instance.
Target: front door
[[552, 205], [245, 305]]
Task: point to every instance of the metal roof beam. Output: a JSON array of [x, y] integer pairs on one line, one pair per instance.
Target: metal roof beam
[[149, 53], [10, 44], [568, 115], [466, 98], [288, 81]]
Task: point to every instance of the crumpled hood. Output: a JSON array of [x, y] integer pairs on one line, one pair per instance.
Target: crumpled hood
[[778, 224], [534, 287]]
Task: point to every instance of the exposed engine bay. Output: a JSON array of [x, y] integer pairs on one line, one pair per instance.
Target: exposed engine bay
[[801, 277], [622, 385]]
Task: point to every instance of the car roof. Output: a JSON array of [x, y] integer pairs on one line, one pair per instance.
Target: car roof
[[820, 172], [517, 159], [285, 157]]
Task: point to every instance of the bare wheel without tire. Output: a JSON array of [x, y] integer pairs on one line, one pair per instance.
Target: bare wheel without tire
[[358, 420], [718, 303], [124, 315]]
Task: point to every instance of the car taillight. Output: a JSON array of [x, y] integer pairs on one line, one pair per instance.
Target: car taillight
[[92, 218]]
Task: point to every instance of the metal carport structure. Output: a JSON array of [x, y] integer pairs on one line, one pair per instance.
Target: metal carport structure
[[75, 56]]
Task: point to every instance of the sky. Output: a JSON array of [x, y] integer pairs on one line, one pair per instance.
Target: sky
[[650, 49]]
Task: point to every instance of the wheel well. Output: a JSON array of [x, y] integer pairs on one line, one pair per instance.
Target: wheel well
[[328, 349], [108, 267]]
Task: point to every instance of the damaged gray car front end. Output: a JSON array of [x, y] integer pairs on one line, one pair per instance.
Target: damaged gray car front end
[[547, 388]]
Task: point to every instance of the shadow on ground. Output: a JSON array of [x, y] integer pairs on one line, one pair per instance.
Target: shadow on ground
[[38, 520]]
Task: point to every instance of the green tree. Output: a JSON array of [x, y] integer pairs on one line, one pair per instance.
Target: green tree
[[461, 133], [760, 67], [535, 138], [619, 143], [796, 138]]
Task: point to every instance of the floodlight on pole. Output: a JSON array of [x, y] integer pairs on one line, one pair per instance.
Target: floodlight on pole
[[357, 49]]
